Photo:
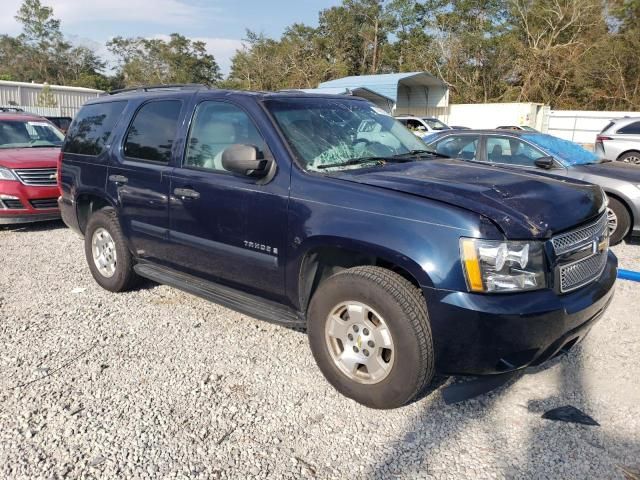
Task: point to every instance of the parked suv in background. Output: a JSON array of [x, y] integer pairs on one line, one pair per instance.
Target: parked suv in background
[[620, 140], [29, 151], [282, 206]]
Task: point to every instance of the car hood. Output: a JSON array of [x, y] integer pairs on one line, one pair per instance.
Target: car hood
[[615, 170], [524, 205], [39, 157]]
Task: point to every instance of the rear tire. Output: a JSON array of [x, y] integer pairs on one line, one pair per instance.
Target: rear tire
[[369, 332], [618, 213], [632, 157], [105, 248]]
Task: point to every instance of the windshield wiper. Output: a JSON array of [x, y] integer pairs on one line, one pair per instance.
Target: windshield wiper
[[422, 153], [353, 161]]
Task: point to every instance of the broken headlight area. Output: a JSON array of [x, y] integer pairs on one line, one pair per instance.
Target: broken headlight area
[[502, 266]]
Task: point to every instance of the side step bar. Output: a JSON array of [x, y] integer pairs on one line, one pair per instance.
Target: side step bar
[[239, 301]]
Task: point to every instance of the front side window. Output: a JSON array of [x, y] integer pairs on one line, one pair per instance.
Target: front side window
[[459, 146], [29, 134], [512, 151], [91, 129], [153, 131], [216, 126], [328, 134]]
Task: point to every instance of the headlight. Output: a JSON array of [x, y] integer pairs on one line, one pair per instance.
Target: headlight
[[496, 266], [6, 174]]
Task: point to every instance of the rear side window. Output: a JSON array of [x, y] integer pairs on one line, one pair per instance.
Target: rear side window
[[632, 128], [153, 131], [92, 127]]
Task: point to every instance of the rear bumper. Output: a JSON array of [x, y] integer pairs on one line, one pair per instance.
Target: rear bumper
[[24, 203], [68, 212], [487, 334]]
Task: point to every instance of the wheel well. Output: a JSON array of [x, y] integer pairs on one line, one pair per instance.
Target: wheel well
[[624, 204], [86, 205], [323, 262], [628, 151]]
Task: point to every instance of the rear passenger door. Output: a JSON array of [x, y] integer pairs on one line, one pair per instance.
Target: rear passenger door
[[138, 176], [227, 228]]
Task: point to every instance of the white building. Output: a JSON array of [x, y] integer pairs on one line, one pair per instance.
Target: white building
[[27, 96]]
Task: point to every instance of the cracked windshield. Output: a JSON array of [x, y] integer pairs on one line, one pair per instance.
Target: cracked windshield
[[344, 134]]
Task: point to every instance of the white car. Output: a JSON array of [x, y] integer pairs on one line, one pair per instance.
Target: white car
[[422, 125]]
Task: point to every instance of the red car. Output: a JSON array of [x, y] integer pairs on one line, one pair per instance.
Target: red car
[[29, 151]]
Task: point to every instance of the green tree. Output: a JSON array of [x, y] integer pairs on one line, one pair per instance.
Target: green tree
[[41, 54], [46, 97], [157, 61]]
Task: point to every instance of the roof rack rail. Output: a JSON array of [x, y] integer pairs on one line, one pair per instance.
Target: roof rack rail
[[168, 86]]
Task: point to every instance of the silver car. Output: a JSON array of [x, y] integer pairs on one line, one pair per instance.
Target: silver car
[[556, 157], [620, 140]]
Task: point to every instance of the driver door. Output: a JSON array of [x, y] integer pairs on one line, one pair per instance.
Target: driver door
[[227, 228]]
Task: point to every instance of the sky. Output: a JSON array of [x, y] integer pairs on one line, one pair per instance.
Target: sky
[[221, 24]]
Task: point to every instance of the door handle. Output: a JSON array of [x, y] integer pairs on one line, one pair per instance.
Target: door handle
[[119, 179], [186, 193]]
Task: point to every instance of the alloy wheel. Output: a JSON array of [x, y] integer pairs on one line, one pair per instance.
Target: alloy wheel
[[104, 252], [359, 342]]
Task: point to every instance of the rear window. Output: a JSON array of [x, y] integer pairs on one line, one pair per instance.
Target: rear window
[[91, 129], [153, 130], [632, 128], [607, 127]]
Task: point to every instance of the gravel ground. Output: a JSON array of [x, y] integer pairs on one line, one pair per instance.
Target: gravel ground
[[156, 383]]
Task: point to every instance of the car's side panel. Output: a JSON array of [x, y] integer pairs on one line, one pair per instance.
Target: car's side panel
[[417, 235]]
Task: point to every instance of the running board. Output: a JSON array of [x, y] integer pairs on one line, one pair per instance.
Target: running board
[[231, 298]]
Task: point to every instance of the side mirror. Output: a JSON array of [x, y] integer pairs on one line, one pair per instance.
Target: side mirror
[[545, 162], [245, 160]]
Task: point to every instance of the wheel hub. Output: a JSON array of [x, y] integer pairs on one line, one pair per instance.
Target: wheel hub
[[103, 249], [359, 342], [612, 221]]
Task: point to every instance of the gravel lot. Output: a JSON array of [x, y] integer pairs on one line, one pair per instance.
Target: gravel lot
[[156, 383]]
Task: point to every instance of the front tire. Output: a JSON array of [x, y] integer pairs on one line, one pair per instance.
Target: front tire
[[108, 257], [619, 221], [370, 335]]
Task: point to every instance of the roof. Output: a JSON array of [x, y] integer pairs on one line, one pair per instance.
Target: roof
[[187, 90], [20, 116], [344, 91], [386, 84]]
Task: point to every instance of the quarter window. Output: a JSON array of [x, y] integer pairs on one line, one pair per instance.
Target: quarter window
[[216, 126], [92, 127], [153, 131]]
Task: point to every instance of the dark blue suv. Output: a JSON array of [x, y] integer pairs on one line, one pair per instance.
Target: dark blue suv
[[323, 212]]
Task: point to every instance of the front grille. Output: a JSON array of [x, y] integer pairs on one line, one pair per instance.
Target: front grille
[[581, 254], [42, 203], [12, 204], [569, 241], [577, 274], [37, 176]]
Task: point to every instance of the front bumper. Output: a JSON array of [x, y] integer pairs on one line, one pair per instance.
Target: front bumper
[[477, 334], [27, 198]]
